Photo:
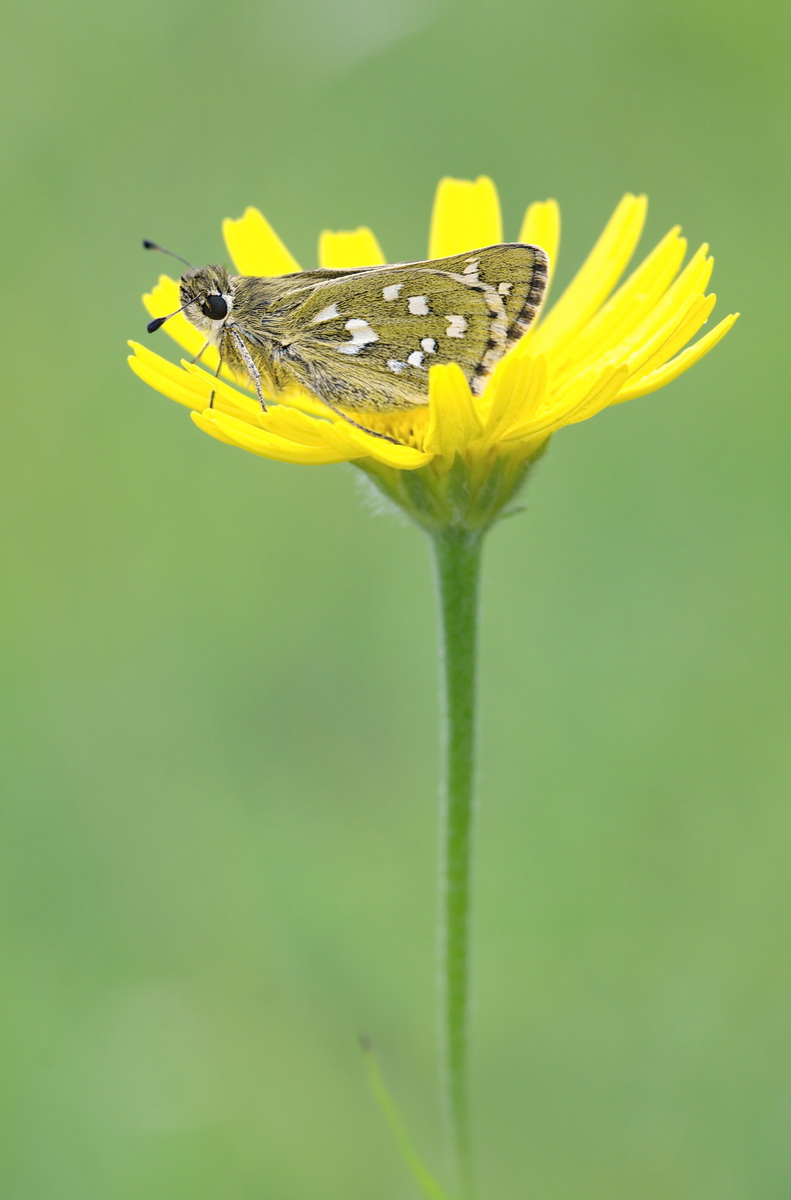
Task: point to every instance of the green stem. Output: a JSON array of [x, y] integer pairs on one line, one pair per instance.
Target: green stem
[[457, 556]]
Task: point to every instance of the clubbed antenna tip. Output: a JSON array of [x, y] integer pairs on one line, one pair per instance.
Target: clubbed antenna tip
[[148, 245]]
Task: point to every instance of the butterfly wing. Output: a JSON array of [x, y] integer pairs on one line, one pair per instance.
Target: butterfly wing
[[365, 339]]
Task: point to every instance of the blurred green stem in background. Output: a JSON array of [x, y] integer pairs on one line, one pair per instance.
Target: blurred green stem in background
[[398, 1127], [457, 556]]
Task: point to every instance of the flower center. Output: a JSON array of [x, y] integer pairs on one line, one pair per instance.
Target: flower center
[[406, 425]]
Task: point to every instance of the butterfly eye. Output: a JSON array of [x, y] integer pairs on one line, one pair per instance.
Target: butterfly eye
[[215, 307]]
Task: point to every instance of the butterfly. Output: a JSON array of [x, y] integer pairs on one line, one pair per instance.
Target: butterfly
[[363, 339]]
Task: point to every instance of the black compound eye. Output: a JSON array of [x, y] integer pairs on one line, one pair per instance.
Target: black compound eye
[[214, 307]]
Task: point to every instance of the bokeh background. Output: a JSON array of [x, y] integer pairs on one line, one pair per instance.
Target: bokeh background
[[218, 673]]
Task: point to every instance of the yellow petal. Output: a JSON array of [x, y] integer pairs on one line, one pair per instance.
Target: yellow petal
[[595, 279], [324, 431], [255, 247], [356, 248], [210, 426], [642, 384], [452, 418], [226, 399], [693, 279], [600, 396], [167, 378], [518, 387], [665, 342], [628, 307], [690, 283], [596, 396], [294, 425], [676, 333], [257, 441], [357, 443], [541, 227], [466, 216]]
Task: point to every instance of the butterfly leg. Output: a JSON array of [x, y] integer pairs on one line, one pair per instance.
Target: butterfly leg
[[216, 376], [247, 358], [199, 355], [340, 413]]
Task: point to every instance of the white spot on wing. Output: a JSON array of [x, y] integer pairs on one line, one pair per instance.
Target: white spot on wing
[[326, 314], [457, 326], [504, 288], [391, 292], [418, 306], [395, 365], [472, 266], [361, 332], [415, 359], [428, 344]]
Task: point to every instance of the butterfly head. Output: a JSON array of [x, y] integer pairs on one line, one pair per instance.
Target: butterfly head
[[207, 298]]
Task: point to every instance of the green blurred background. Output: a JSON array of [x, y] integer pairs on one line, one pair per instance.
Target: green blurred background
[[219, 673]]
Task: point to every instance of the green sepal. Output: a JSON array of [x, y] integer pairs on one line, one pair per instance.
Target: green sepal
[[464, 497]]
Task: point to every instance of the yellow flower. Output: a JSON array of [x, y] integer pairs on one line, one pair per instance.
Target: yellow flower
[[599, 344]]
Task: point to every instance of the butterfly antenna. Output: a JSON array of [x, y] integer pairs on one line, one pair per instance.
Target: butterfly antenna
[[158, 322], [153, 246]]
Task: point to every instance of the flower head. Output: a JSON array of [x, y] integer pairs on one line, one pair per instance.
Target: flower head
[[601, 343]]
